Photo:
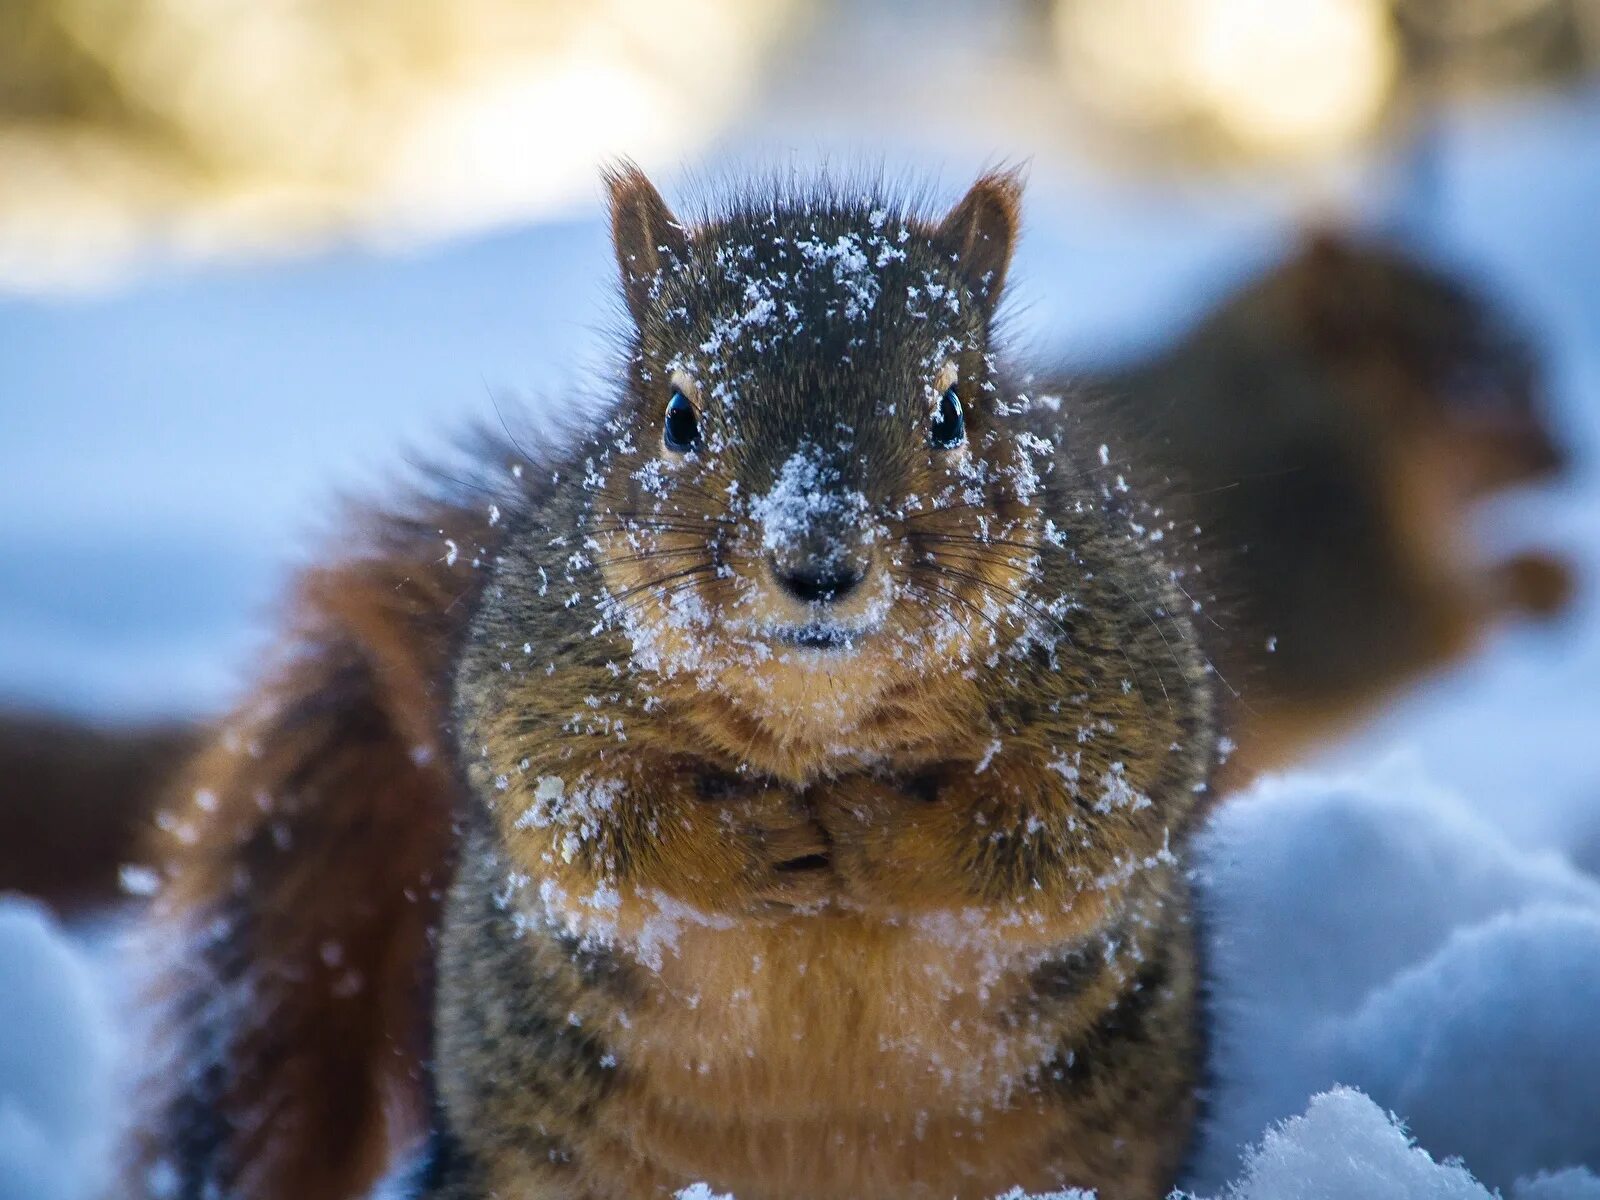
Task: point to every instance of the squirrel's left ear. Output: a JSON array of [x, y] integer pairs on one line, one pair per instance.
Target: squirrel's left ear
[[980, 232], [644, 234]]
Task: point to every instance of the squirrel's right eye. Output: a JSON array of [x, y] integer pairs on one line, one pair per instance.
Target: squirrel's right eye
[[682, 429], [949, 428]]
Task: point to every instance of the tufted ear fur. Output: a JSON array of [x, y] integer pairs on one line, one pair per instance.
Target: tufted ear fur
[[644, 234], [1338, 296], [980, 232]]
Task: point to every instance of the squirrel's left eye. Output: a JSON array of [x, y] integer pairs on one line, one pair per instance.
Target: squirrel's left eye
[[949, 428], [681, 430]]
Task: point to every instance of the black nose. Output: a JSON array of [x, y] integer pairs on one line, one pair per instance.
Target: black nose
[[820, 583]]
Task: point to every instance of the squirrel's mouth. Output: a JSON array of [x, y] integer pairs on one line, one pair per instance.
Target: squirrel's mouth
[[818, 636], [823, 618]]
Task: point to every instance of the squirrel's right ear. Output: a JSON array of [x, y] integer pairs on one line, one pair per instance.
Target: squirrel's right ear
[[1337, 299], [980, 232], [644, 233]]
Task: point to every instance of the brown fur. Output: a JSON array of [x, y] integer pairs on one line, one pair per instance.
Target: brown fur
[[78, 802], [907, 919], [306, 851], [800, 933], [1365, 396], [1330, 428]]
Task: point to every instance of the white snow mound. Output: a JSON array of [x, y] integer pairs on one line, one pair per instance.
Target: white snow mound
[[1344, 1147], [55, 1062], [1369, 931]]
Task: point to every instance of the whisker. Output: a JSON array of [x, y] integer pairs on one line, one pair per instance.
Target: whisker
[[1027, 603], [933, 558], [501, 417], [924, 514], [1198, 607], [695, 489], [654, 525], [723, 558], [506, 495], [1044, 614], [648, 556], [1232, 691], [678, 486], [909, 629], [694, 569], [696, 520], [923, 585], [1154, 624], [637, 604], [972, 539]]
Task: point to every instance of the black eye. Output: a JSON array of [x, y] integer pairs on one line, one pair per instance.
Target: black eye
[[949, 427], [682, 428]]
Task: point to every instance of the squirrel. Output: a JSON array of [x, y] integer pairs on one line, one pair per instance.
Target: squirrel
[[1329, 428], [1364, 393], [783, 784]]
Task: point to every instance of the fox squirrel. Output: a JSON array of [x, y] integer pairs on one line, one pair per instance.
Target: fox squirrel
[[1329, 428], [1351, 389], [797, 768]]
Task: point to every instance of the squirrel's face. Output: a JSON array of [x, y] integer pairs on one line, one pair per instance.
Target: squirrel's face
[[1432, 365], [811, 470]]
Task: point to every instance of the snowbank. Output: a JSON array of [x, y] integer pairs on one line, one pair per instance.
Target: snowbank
[[1347, 1148], [1343, 1148], [1369, 931], [55, 1062]]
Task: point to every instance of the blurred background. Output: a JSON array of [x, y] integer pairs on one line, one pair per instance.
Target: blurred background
[[250, 251], [255, 254]]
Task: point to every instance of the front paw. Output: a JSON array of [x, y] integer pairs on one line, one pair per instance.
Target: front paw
[[785, 852], [1010, 836], [897, 844]]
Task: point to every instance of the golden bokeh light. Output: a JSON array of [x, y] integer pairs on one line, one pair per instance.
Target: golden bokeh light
[[1260, 77], [235, 126], [143, 129]]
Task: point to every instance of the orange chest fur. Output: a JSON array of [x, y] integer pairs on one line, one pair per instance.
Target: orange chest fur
[[829, 1056]]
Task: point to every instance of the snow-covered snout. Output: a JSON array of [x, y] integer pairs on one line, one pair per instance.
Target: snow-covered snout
[[819, 539]]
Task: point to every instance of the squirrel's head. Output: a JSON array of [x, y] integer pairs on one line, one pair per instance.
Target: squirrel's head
[[1426, 359], [810, 470]]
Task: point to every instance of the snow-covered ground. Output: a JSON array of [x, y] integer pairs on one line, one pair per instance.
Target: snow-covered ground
[[57, 1048], [1366, 932], [1417, 915]]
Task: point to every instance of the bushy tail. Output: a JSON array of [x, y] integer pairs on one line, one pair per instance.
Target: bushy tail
[[305, 854]]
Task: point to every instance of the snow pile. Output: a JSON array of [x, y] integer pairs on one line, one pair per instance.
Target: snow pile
[[1346, 1148], [1575, 1183], [1343, 1148], [1369, 931], [55, 1062]]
